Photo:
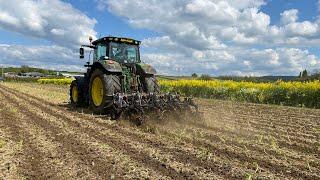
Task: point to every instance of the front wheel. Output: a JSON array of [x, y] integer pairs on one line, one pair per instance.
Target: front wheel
[[77, 96]]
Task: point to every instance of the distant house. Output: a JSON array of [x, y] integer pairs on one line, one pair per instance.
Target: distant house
[[10, 74], [67, 75], [33, 74]]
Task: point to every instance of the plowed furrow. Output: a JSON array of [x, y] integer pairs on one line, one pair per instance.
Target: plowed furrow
[[182, 157], [205, 156], [87, 155], [294, 140], [293, 116], [304, 130], [267, 125], [9, 150], [138, 156], [250, 145], [220, 168], [289, 142], [272, 165], [98, 134], [32, 161]]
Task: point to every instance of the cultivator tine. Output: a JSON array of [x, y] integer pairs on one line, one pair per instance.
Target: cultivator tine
[[138, 105]]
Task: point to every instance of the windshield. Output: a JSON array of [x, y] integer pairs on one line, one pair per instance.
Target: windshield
[[124, 53]]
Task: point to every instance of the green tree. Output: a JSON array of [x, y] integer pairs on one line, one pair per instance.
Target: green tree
[[194, 75], [205, 77], [305, 73]]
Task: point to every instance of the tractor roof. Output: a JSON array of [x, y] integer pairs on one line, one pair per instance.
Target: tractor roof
[[117, 39]]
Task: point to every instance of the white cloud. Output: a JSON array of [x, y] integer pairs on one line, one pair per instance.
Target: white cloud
[[218, 12], [52, 20], [289, 16], [169, 58], [221, 36], [230, 37], [101, 4], [206, 24], [198, 24], [51, 57], [303, 29]]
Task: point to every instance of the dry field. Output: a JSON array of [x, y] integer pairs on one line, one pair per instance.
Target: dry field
[[41, 137]]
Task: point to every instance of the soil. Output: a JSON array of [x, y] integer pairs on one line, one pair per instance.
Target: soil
[[42, 137]]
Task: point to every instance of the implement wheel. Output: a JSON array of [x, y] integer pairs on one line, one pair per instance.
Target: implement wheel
[[102, 87]]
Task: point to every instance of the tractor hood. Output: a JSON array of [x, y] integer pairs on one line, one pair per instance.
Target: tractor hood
[[146, 69]]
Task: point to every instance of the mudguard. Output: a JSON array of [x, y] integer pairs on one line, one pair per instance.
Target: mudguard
[[146, 69], [110, 66]]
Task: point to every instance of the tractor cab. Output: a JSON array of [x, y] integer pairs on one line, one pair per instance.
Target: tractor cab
[[121, 50], [118, 49]]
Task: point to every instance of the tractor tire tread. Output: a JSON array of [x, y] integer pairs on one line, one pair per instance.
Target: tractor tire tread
[[79, 82]]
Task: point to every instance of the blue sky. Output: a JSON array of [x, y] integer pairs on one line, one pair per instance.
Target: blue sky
[[218, 37], [307, 9]]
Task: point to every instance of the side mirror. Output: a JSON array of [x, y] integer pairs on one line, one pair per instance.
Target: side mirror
[[81, 51]]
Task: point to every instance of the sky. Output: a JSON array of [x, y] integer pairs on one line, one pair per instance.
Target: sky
[[179, 37]]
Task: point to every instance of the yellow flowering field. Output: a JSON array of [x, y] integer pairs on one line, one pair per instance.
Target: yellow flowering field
[[303, 94], [64, 81]]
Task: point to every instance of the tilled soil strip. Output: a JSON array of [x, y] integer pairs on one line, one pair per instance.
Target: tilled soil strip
[[295, 115], [298, 149], [266, 124], [33, 160], [269, 166], [272, 165], [267, 119], [299, 144], [227, 168], [85, 152], [247, 145], [32, 122], [139, 156], [165, 160], [10, 149], [185, 159], [62, 164]]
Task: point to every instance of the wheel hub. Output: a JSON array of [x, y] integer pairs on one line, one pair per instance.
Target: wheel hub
[[97, 91], [75, 94]]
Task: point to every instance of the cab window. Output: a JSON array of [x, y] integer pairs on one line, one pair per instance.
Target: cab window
[[124, 53], [101, 51]]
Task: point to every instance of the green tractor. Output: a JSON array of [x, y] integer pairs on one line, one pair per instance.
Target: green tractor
[[118, 83]]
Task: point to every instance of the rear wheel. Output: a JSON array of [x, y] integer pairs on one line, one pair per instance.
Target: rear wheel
[[77, 96], [101, 90], [151, 85]]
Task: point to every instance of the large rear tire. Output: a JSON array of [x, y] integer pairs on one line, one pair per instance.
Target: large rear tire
[[102, 87], [77, 94], [151, 85]]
